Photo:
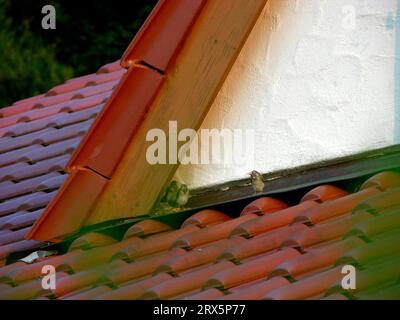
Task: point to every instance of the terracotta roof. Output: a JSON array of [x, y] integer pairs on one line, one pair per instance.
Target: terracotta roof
[[37, 138], [181, 44], [270, 251], [97, 156]]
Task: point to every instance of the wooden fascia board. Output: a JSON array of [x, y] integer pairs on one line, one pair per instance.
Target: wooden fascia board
[[111, 132], [104, 144], [163, 33], [186, 95], [66, 212], [147, 59]]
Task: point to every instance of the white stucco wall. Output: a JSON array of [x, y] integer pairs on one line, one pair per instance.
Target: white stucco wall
[[310, 85]]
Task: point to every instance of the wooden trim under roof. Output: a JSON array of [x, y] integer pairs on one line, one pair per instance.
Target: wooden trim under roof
[[184, 86]]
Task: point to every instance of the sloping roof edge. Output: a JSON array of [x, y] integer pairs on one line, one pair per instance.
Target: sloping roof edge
[[104, 145], [147, 55]]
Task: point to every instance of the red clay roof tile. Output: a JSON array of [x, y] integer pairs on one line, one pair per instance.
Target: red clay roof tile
[[22, 170], [20, 106], [25, 291], [16, 155], [66, 87], [127, 108], [335, 296], [212, 233], [7, 173], [206, 217], [260, 244], [85, 259], [75, 282], [380, 201], [160, 37], [106, 77], [61, 120], [185, 283], [19, 219], [17, 246], [389, 218], [41, 152], [30, 201], [85, 81], [272, 221], [145, 228], [391, 292], [13, 236], [209, 294], [135, 289], [157, 243], [22, 272], [324, 231], [383, 181], [384, 272], [383, 246], [74, 130], [52, 183], [142, 267], [306, 287], [91, 240], [197, 256], [110, 67], [264, 205], [324, 193], [95, 90], [91, 185], [334, 208], [159, 269], [256, 290], [10, 189], [314, 259], [86, 293], [257, 268]]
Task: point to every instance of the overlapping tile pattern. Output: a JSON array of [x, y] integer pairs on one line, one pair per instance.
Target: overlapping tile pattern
[[37, 138], [271, 251]]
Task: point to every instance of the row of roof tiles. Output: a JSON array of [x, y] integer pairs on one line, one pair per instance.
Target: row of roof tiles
[[37, 137], [148, 60], [271, 251]]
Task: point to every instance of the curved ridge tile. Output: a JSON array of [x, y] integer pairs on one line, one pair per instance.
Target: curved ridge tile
[[205, 218], [264, 205], [383, 246], [272, 221], [212, 233], [256, 268], [334, 208], [324, 193], [307, 287], [185, 283], [145, 228], [383, 181]]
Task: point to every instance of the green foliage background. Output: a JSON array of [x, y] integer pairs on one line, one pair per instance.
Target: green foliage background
[[89, 33]]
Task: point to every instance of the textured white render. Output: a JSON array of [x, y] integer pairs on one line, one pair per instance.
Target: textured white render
[[312, 82]]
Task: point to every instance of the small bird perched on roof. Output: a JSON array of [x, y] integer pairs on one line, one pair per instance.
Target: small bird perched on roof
[[170, 193], [176, 195], [183, 196], [257, 181]]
